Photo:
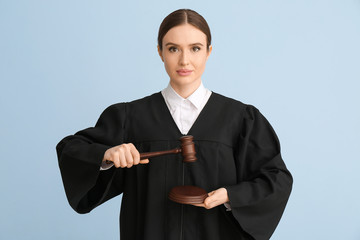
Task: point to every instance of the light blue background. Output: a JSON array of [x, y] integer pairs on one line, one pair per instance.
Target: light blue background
[[63, 62]]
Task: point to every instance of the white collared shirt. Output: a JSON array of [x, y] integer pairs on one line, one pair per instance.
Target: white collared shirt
[[185, 110]]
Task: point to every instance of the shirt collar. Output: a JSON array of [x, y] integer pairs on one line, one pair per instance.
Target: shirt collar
[[175, 99]]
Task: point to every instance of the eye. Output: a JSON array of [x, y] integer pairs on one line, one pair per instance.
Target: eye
[[196, 49], [173, 49]]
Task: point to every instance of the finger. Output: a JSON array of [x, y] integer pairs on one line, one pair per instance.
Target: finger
[[115, 159], [211, 193], [198, 205], [122, 158], [144, 161], [128, 156], [212, 201], [210, 205], [135, 154], [210, 198]]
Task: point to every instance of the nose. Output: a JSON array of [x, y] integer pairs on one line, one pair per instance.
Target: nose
[[184, 59]]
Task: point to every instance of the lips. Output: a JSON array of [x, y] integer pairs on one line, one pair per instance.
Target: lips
[[184, 72]]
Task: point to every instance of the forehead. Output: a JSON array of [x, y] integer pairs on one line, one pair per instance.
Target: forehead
[[184, 34]]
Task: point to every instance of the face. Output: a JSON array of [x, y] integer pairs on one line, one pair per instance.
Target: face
[[184, 54]]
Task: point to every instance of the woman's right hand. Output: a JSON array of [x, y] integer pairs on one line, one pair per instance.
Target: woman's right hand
[[124, 155]]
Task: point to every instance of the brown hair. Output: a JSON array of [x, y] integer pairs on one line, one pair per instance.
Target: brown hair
[[183, 16]]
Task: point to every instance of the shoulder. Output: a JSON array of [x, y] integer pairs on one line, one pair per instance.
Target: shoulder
[[135, 103], [231, 104], [146, 100]]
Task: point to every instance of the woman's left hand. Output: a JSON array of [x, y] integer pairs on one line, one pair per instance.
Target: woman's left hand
[[215, 198]]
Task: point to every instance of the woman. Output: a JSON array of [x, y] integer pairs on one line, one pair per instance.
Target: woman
[[239, 161]]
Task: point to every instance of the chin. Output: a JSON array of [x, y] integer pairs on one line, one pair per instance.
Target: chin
[[184, 81]]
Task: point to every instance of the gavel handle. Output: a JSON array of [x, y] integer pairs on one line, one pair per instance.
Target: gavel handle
[[160, 153], [155, 154]]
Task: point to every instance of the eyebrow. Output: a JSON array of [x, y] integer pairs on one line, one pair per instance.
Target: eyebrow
[[192, 44]]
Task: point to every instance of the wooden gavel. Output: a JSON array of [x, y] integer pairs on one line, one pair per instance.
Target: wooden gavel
[[187, 149]]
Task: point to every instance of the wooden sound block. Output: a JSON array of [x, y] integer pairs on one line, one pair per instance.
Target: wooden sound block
[[188, 195]]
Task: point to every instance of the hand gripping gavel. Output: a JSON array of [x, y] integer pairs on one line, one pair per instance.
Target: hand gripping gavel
[[187, 149]]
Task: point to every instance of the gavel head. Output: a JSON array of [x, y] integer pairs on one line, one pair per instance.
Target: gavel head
[[188, 149]]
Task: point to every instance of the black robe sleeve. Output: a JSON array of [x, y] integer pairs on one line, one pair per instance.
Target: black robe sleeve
[[80, 158], [259, 198]]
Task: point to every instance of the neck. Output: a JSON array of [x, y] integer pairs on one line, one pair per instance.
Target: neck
[[185, 90]]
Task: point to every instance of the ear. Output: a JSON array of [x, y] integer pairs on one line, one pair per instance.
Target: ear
[[209, 52], [160, 53]]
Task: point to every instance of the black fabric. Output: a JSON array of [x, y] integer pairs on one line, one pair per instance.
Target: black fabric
[[236, 149]]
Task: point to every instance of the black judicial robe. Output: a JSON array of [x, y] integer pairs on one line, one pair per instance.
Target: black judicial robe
[[236, 149]]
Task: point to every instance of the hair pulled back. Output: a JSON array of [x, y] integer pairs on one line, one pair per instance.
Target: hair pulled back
[[180, 17]]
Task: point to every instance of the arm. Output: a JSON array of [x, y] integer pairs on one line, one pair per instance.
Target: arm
[[263, 182], [80, 157]]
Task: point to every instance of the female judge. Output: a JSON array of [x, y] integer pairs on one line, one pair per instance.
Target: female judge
[[238, 154]]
